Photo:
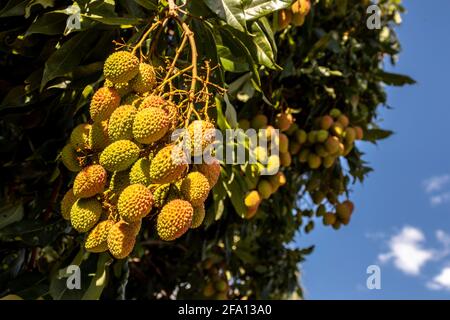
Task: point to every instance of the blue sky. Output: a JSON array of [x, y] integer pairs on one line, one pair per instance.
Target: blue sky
[[402, 218]]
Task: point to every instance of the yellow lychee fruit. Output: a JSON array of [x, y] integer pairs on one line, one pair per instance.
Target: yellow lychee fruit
[[103, 103], [140, 172], [210, 170], [326, 122], [285, 159], [66, 204], [145, 80], [90, 181], [79, 138], [150, 125], [198, 216], [120, 126], [121, 66], [85, 213], [195, 188], [252, 199], [135, 202], [70, 159], [174, 219], [202, 134], [168, 165], [119, 155], [96, 240], [121, 239]]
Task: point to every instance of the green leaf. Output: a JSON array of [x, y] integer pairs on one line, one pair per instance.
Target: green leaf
[[100, 278], [50, 23], [14, 8], [377, 134], [237, 13], [10, 214], [147, 4], [395, 79], [262, 48], [68, 56], [43, 3], [116, 21], [228, 11]]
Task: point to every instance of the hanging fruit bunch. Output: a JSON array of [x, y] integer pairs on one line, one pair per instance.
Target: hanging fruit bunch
[[127, 166]]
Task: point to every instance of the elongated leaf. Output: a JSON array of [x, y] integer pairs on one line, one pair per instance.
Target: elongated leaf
[[100, 278], [13, 8], [68, 56], [237, 13], [50, 23], [10, 214], [395, 79], [116, 21], [147, 4]]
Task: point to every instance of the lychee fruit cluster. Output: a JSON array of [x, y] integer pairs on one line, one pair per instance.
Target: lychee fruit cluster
[[127, 168]]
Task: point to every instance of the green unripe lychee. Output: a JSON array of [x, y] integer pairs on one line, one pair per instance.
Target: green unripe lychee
[[314, 161], [322, 136], [265, 189], [301, 136], [259, 121], [335, 113]]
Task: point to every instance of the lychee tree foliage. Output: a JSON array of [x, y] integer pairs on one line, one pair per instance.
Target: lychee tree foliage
[[313, 70]]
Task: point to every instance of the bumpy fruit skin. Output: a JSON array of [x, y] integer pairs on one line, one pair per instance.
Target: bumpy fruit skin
[[160, 194], [265, 189], [150, 125], [119, 155], [198, 217], [103, 103], [69, 158], [98, 136], [252, 199], [85, 213], [140, 172], [173, 115], [202, 134], [79, 138], [135, 202], [195, 188], [121, 239], [168, 165], [174, 219], [145, 80], [90, 181], [66, 204], [96, 240], [122, 88], [121, 67], [120, 126], [152, 101], [210, 170]]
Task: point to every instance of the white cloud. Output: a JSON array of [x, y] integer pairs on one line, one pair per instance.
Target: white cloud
[[436, 183], [440, 198], [441, 281], [406, 251]]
